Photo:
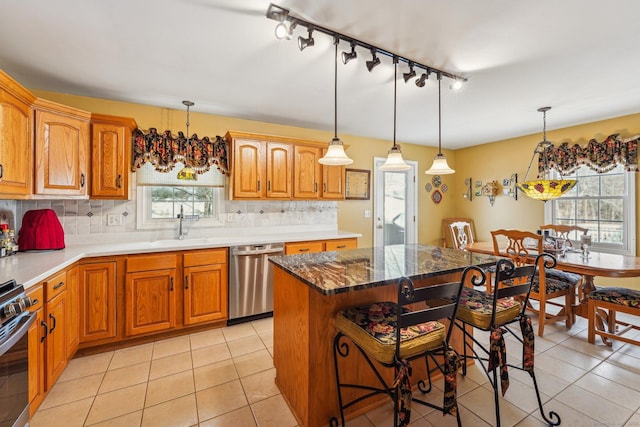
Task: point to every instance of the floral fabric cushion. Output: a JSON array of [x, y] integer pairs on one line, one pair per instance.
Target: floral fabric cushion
[[557, 281], [622, 296], [476, 306], [373, 328]]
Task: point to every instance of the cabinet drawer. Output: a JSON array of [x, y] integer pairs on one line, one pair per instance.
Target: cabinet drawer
[[195, 258], [339, 244], [55, 285], [36, 293], [151, 262], [303, 247]]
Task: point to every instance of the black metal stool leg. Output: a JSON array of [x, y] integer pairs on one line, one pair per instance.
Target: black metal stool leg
[[343, 351], [554, 418]]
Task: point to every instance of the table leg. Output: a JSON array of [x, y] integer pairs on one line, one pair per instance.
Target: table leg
[[581, 309]]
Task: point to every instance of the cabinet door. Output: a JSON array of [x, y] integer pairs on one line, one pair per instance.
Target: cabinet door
[[56, 343], [205, 293], [332, 182], [62, 144], [150, 301], [73, 312], [97, 301], [37, 336], [16, 153], [110, 149], [306, 172], [248, 169], [279, 170], [303, 247]]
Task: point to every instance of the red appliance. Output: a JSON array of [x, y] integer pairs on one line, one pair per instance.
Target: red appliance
[[41, 230]]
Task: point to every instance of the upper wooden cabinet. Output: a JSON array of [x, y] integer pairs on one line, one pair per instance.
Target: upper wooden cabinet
[[62, 148], [275, 167], [16, 133], [110, 156]]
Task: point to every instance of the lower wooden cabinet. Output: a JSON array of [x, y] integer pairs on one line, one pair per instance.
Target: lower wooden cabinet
[[340, 244], [56, 319], [72, 321], [205, 286], [97, 301], [320, 245], [37, 355], [150, 293]]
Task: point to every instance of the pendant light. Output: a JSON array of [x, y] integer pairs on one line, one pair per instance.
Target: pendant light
[[394, 161], [440, 166], [187, 173], [544, 188], [335, 155]]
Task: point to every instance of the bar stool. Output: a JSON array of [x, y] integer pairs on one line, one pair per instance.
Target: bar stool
[[493, 312], [381, 335]]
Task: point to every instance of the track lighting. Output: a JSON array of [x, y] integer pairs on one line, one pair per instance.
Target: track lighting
[[374, 61], [348, 56], [304, 43], [456, 85], [420, 82], [284, 30], [411, 74]]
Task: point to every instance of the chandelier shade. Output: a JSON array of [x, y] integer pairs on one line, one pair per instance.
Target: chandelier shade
[[440, 165], [394, 161]]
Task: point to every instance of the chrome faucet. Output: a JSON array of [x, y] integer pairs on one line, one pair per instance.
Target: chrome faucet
[[182, 231]]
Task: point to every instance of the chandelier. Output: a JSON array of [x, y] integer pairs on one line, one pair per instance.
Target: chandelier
[[543, 187]]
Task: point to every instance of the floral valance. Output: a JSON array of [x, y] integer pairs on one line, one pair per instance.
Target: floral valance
[[164, 150], [599, 156]]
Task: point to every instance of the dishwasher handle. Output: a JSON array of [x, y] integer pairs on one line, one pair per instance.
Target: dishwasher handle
[[257, 252]]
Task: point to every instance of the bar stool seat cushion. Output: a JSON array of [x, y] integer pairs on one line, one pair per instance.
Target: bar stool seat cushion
[[372, 328], [476, 306], [617, 295]]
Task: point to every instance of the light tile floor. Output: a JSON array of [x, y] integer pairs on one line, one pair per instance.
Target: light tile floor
[[225, 377]]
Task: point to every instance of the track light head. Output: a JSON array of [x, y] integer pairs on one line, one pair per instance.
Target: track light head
[[284, 30], [348, 56], [411, 74], [304, 43], [456, 85], [374, 61], [422, 80]]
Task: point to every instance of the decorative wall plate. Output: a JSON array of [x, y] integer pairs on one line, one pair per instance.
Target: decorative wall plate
[[436, 197], [444, 188], [437, 180], [428, 187]]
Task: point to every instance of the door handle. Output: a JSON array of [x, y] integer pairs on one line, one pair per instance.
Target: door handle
[[380, 226], [186, 282], [258, 185], [52, 317], [171, 287], [45, 330], [119, 181], [82, 180], [269, 185]]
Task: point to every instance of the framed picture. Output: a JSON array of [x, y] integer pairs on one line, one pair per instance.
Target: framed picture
[[357, 183]]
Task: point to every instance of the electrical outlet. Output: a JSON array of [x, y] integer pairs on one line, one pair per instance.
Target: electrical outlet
[[114, 219], [367, 213], [231, 217]]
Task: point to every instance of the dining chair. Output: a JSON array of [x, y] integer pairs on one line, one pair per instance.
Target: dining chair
[[563, 231], [457, 232], [417, 325], [613, 300], [495, 312], [522, 247]]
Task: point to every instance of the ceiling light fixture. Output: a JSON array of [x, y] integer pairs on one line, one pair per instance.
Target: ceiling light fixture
[[284, 16], [348, 56], [544, 188], [411, 74], [374, 61], [456, 85], [187, 173], [394, 161], [420, 82], [440, 166], [335, 155], [308, 42]]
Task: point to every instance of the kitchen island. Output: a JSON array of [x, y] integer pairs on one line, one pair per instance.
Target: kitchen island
[[308, 291]]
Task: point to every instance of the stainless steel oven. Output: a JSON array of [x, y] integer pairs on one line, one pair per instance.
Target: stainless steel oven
[[15, 321]]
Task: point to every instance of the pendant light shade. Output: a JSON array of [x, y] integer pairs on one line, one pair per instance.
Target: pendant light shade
[[543, 188], [439, 166], [187, 173], [394, 161], [335, 155]]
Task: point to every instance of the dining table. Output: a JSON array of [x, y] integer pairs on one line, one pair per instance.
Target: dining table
[[597, 264]]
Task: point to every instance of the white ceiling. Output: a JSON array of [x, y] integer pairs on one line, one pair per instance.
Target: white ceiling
[[581, 57]]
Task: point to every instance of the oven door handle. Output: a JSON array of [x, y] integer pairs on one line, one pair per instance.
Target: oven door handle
[[17, 333]]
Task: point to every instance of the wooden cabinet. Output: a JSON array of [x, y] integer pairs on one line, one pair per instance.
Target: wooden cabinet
[[275, 167], [16, 130], [72, 321], [61, 150], [37, 356], [306, 172], [150, 293], [110, 156], [55, 317], [320, 246], [205, 286], [97, 301]]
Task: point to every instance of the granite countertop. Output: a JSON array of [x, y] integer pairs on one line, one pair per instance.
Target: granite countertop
[[29, 268], [348, 270]]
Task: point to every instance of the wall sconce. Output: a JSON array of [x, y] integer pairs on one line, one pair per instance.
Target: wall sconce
[[468, 192], [490, 189]]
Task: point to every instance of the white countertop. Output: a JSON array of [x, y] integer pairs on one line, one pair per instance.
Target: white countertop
[[31, 267]]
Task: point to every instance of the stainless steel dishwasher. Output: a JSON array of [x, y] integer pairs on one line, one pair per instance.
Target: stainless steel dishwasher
[[251, 281]]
